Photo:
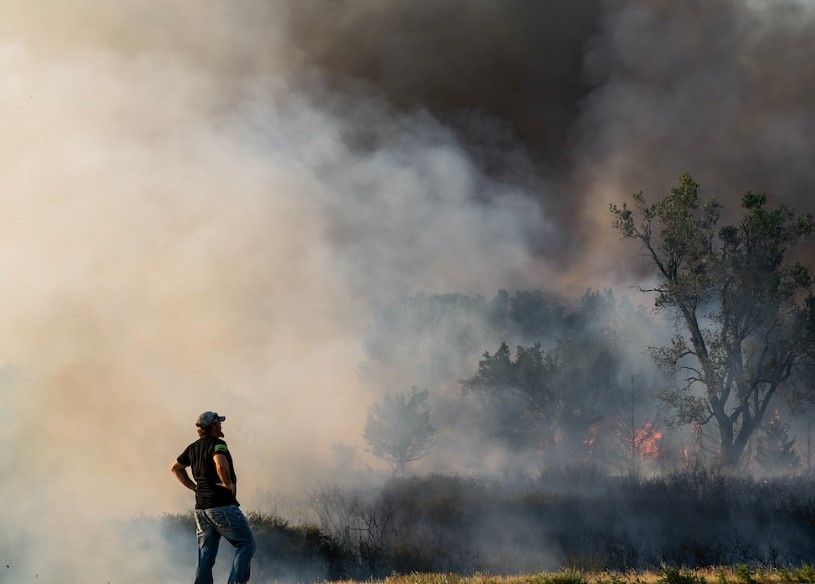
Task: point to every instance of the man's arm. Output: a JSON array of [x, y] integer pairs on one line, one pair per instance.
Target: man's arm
[[224, 472], [180, 472]]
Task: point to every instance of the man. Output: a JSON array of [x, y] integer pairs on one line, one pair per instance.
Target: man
[[217, 511]]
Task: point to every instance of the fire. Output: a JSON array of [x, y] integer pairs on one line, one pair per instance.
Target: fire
[[647, 440]]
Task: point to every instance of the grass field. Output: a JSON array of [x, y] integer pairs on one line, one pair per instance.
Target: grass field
[[740, 574]]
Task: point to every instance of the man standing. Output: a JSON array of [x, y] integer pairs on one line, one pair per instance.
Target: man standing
[[217, 511]]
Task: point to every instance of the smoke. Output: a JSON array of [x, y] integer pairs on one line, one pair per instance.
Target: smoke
[[581, 105], [715, 88], [203, 206]]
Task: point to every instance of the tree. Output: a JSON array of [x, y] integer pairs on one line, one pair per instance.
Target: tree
[[775, 448], [520, 396], [744, 316], [399, 428], [535, 315], [545, 399], [437, 336], [560, 397]]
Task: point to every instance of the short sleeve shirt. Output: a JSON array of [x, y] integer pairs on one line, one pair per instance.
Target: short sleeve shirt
[[200, 455]]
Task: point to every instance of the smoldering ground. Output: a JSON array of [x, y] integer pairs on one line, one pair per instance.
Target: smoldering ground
[[203, 205]]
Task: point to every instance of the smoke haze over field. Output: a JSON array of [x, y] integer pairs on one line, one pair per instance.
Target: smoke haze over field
[[204, 204]]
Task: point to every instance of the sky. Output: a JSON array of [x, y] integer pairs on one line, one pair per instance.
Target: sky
[[204, 204]]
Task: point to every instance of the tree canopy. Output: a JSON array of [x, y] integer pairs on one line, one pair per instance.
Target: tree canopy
[[546, 399], [745, 315], [399, 428]]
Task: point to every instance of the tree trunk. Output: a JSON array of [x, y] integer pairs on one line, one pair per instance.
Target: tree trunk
[[732, 447], [730, 456]]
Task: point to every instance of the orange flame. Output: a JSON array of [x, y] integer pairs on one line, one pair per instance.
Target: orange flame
[[647, 440]]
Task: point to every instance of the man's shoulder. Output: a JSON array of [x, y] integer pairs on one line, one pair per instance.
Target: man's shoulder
[[192, 445], [203, 443], [209, 446], [220, 447]]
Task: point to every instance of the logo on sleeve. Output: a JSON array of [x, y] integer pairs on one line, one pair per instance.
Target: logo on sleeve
[[220, 449]]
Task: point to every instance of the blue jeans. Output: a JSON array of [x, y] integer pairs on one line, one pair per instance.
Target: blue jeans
[[230, 523]]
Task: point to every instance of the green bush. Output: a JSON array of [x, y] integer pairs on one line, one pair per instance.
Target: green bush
[[672, 575], [744, 574], [806, 573]]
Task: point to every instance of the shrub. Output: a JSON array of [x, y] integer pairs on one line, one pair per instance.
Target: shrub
[[806, 573], [744, 574], [672, 575]]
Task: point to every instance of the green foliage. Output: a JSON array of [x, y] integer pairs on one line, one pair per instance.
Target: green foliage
[[399, 428], [539, 395], [534, 314], [530, 396], [744, 316], [721, 576], [775, 448], [744, 574], [520, 392], [564, 577], [804, 573], [671, 575]]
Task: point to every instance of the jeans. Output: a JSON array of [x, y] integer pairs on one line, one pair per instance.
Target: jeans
[[230, 523]]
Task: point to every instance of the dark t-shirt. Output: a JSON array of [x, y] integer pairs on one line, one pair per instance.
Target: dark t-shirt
[[200, 455]]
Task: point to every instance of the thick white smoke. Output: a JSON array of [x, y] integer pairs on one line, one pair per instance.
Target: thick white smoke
[[177, 235], [202, 204]]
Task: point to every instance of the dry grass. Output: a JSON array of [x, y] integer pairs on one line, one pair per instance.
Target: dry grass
[[724, 575]]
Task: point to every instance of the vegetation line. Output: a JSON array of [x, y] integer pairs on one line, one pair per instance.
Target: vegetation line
[[738, 574]]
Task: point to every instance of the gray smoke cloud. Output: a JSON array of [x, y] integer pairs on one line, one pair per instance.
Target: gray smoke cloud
[[718, 89], [581, 105], [204, 204]]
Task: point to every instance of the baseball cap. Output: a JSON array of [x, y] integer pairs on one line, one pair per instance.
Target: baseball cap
[[208, 418]]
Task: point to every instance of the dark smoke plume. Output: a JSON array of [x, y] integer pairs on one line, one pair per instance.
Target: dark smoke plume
[[588, 102]]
